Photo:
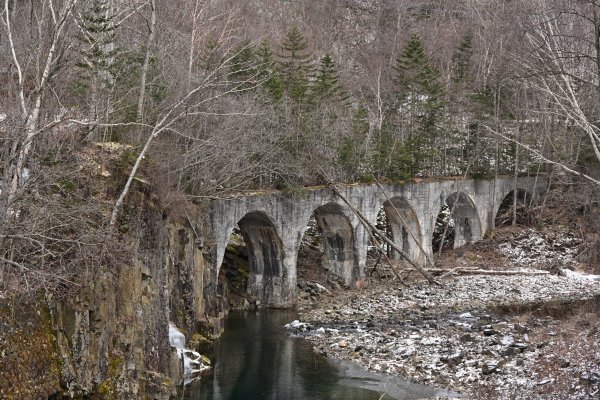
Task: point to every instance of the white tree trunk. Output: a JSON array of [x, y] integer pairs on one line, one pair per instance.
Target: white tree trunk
[[145, 66]]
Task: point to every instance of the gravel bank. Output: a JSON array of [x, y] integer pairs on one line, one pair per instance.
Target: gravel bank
[[505, 337]]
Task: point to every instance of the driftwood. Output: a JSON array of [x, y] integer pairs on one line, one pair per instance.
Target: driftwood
[[372, 229], [477, 271], [385, 256]]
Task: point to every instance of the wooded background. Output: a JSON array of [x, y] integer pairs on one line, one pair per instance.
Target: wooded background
[[190, 99]]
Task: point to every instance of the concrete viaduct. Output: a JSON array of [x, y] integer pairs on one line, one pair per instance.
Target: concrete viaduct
[[273, 224]]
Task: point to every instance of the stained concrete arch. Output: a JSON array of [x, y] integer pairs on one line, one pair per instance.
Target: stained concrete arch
[[405, 227], [466, 218], [338, 241], [265, 257]]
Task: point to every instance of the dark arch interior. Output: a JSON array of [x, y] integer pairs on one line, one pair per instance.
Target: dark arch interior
[[234, 273], [403, 227], [397, 219], [381, 223], [457, 223], [265, 247], [253, 261], [327, 246], [505, 214], [444, 230]]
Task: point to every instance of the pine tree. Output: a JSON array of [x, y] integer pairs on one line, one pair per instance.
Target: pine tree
[[327, 85], [461, 59], [461, 139], [268, 72], [98, 38], [352, 151], [420, 103], [96, 67], [296, 65], [243, 67], [416, 79]]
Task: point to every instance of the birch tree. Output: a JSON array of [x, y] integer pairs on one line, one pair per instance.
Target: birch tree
[[564, 61], [56, 16]]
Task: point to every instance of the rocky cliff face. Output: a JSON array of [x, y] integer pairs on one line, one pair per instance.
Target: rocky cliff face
[[112, 338]]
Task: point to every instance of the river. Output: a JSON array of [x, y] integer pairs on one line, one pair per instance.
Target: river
[[256, 359]]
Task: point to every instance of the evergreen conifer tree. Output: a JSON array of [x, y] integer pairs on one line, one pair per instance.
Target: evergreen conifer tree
[[268, 72], [97, 34], [420, 103], [461, 59], [327, 85], [352, 152], [96, 57], [243, 68], [296, 65], [460, 139]]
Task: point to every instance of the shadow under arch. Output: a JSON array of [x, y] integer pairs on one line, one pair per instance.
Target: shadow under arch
[[404, 224], [502, 213], [466, 218], [338, 241], [265, 257]]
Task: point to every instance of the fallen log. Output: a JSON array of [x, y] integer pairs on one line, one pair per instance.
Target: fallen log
[[476, 271]]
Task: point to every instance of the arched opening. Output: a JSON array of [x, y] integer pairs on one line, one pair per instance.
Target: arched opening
[[457, 223], [253, 263], [377, 266], [444, 230], [507, 212], [233, 274], [398, 220], [404, 227], [326, 252]]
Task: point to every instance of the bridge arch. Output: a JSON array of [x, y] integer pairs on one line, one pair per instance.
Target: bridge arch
[[405, 227], [524, 199], [467, 223], [337, 240], [265, 257]]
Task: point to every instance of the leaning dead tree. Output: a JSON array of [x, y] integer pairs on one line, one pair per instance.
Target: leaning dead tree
[[410, 232], [373, 230]]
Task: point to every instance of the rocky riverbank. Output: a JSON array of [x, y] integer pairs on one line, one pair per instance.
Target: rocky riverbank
[[487, 336]]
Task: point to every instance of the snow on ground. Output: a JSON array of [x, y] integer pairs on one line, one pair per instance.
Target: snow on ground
[[490, 336], [532, 248]]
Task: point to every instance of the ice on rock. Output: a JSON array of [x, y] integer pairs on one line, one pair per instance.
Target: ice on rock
[[191, 360], [295, 324], [176, 338]]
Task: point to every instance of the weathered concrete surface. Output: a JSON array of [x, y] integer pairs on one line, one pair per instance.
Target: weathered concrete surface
[[273, 225]]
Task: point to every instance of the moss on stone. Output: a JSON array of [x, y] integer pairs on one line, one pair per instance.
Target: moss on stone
[[107, 388], [30, 366], [198, 339]]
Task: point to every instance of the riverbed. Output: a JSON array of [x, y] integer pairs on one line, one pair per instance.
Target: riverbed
[[256, 358]]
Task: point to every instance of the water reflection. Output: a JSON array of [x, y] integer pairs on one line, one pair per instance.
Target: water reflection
[[256, 359]]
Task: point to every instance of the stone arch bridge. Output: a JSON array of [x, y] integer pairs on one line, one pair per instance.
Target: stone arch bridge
[[273, 224]]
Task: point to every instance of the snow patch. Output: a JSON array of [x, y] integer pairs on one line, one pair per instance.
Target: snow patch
[[581, 276]]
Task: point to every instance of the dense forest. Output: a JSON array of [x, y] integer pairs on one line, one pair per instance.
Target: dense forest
[[196, 98]]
